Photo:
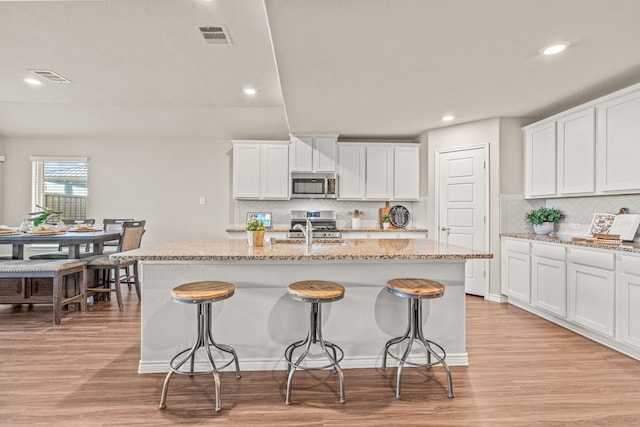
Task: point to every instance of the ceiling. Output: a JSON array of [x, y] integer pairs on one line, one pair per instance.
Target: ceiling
[[360, 68]]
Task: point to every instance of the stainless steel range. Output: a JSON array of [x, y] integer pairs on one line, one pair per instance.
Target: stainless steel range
[[323, 223]]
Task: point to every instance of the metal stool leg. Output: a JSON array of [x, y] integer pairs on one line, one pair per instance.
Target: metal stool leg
[[314, 336], [204, 340], [414, 333]]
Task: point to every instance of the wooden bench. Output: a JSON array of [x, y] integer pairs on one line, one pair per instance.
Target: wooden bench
[[56, 270]]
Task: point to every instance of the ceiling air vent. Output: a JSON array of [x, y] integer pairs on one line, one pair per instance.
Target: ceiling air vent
[[51, 76], [215, 34]]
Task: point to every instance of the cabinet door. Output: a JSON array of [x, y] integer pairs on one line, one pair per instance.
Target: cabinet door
[[591, 297], [406, 173], [549, 285], [324, 154], [540, 160], [576, 153], [351, 172], [301, 154], [246, 171], [628, 300], [275, 172], [516, 270], [619, 144], [379, 183]]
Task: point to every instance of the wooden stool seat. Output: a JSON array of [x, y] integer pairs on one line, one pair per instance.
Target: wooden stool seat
[[317, 290], [200, 292], [416, 288]]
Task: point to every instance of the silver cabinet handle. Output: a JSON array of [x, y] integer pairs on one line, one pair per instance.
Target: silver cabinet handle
[[445, 228]]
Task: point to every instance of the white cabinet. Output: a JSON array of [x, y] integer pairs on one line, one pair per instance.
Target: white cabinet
[[261, 170], [619, 143], [549, 278], [351, 171], [393, 171], [591, 289], [628, 300], [516, 269], [313, 153], [540, 160], [576, 153], [379, 184]]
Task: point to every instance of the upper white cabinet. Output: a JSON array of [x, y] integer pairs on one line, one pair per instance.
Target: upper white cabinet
[[393, 171], [619, 143], [351, 171], [592, 149], [540, 160], [576, 153], [261, 170], [313, 153]]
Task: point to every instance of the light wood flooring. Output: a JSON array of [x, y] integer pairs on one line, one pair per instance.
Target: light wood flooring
[[523, 371]]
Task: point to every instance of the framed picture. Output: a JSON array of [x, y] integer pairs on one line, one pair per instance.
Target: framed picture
[[265, 217], [601, 223]]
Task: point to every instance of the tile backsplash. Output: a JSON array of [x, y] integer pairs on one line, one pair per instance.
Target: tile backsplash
[[281, 210], [578, 211]]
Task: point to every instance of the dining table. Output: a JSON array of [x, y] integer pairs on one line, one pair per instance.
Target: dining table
[[73, 239]]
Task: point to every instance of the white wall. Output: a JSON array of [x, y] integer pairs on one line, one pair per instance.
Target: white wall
[[160, 181]]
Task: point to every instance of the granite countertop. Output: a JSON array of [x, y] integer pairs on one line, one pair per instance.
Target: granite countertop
[[566, 239], [283, 228], [357, 249]]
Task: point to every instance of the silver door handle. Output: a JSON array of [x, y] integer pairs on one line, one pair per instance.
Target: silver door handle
[[445, 228]]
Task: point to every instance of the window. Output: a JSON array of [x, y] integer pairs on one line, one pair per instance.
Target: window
[[60, 184]]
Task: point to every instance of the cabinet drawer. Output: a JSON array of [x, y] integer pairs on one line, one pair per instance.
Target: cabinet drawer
[[549, 251], [521, 246], [592, 259], [630, 264]]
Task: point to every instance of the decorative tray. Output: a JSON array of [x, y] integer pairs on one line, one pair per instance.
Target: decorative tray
[[83, 230], [399, 216], [45, 232]]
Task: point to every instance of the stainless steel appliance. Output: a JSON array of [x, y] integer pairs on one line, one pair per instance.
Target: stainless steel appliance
[[314, 185], [323, 224]]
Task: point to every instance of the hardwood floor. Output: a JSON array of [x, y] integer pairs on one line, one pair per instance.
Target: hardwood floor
[[523, 371]]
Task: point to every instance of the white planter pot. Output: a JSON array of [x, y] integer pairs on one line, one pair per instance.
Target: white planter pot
[[356, 222], [544, 228]]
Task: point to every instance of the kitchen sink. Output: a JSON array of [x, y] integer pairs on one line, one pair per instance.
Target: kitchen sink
[[321, 242]]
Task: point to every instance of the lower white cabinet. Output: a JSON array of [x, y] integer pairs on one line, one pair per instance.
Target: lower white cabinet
[[549, 278], [628, 300], [591, 290], [516, 269]]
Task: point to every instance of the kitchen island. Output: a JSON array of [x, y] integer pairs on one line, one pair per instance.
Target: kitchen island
[[261, 320]]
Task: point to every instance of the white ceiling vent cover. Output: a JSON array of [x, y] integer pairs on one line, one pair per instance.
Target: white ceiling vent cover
[[51, 76], [215, 34]]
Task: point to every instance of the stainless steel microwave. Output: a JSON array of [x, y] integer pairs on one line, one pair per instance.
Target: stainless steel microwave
[[314, 186]]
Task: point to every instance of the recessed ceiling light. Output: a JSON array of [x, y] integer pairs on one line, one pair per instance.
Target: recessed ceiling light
[[249, 91], [553, 49], [33, 82], [448, 118]]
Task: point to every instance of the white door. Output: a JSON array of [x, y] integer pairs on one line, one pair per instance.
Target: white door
[[462, 209]]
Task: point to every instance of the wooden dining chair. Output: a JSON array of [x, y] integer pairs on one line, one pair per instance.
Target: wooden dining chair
[[72, 223], [117, 272], [114, 224]]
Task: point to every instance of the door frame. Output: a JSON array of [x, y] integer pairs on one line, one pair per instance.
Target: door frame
[[486, 177]]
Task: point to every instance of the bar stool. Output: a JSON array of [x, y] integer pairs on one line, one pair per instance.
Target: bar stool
[[315, 292], [202, 294], [416, 290]]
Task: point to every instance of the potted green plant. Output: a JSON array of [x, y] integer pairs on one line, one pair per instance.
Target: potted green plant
[[386, 219], [255, 232], [543, 219]]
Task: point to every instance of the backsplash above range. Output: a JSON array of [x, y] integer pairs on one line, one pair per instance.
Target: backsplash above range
[[578, 211], [281, 210]]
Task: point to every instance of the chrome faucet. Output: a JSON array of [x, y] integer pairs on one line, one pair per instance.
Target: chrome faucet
[[306, 231]]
